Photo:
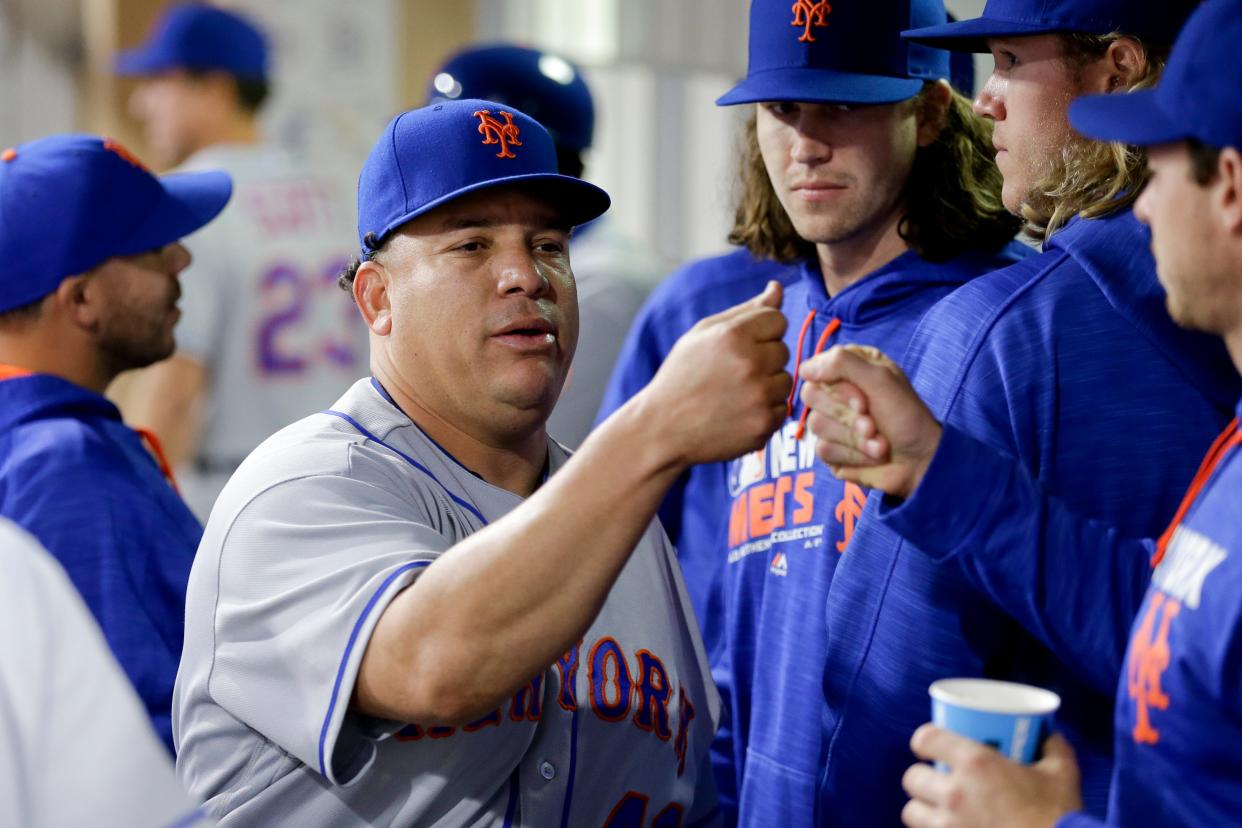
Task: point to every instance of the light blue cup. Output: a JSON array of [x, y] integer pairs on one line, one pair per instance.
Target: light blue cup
[[1013, 718]]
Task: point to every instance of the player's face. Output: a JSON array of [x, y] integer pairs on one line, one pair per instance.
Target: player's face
[[484, 309], [838, 171], [1028, 96], [174, 110], [138, 306], [1185, 241]]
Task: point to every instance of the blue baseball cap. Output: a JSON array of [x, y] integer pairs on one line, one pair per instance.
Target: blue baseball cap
[[70, 202], [1150, 22], [852, 52], [543, 85], [428, 157], [198, 37], [1196, 98]]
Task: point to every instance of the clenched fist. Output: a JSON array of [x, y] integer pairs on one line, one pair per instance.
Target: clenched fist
[[870, 426], [721, 391]]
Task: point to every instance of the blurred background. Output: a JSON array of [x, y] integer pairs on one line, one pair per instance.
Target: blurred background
[[662, 149]]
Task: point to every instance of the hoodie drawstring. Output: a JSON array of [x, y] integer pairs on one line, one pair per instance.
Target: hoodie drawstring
[[832, 327], [161, 460]]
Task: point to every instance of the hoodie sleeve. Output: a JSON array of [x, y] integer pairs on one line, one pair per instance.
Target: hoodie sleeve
[[1074, 583]]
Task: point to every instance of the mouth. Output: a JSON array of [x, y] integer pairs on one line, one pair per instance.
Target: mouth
[[532, 333], [817, 191]]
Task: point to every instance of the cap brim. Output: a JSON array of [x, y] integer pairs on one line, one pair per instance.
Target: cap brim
[[190, 201], [972, 35], [136, 62], [1132, 118], [578, 201], [820, 86]]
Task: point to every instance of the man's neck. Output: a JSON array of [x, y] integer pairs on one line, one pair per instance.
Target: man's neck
[[33, 353], [515, 463], [235, 131], [847, 261], [1233, 342]]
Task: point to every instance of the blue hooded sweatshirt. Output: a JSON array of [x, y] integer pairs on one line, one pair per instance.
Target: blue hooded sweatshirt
[[1179, 700], [698, 290], [83, 483], [788, 522], [1069, 364]]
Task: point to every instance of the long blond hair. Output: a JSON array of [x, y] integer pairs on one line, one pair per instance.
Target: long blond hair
[[1092, 178], [952, 197]]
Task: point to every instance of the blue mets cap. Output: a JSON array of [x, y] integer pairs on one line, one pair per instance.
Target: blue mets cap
[[545, 86], [428, 157], [1196, 98], [69, 202], [1151, 22], [844, 53], [199, 37]]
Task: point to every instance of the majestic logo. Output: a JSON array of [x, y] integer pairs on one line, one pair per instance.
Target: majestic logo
[[506, 133], [780, 565], [1149, 658], [849, 510], [807, 14]]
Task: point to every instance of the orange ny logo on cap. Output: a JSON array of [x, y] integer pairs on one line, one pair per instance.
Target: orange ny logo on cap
[[808, 14], [505, 133], [114, 147]]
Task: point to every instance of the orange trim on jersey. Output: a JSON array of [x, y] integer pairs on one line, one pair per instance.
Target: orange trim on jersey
[[13, 372], [161, 459], [1228, 439]]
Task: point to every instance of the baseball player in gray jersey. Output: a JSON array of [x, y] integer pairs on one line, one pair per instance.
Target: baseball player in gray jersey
[[415, 608]]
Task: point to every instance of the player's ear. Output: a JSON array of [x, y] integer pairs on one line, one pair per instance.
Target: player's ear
[[80, 299], [1229, 182], [371, 284], [933, 111]]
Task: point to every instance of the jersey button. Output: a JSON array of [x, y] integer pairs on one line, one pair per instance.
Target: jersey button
[[547, 770]]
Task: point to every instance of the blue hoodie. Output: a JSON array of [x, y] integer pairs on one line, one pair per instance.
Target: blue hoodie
[[1068, 363], [788, 521], [74, 476], [698, 290], [1179, 701]]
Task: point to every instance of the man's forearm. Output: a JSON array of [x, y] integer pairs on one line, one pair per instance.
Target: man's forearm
[[502, 605]]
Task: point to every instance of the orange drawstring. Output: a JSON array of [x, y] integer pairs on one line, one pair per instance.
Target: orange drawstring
[[819, 346], [1228, 438], [161, 460], [806, 325]]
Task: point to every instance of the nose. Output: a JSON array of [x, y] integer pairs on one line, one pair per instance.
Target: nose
[[809, 147], [176, 258], [1142, 207], [991, 100], [518, 272]]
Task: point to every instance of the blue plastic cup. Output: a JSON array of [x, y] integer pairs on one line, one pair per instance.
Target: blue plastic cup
[[1013, 718]]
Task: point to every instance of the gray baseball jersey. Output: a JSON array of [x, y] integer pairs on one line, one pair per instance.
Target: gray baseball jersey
[[315, 534], [261, 309], [76, 746]]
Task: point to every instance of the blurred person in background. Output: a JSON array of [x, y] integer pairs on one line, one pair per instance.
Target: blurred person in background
[[89, 264], [265, 334], [614, 273]]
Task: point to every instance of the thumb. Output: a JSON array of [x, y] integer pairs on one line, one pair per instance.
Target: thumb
[[770, 298], [1057, 751]]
